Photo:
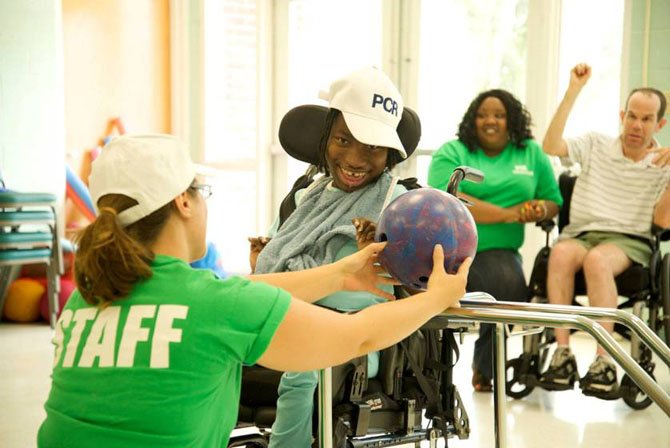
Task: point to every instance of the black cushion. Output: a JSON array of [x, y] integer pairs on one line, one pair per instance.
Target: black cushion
[[301, 129], [259, 386]]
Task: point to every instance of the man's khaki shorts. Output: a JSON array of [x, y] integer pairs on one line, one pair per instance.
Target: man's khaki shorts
[[636, 249]]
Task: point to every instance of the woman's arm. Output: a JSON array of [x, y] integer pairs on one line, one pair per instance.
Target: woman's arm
[[552, 210], [310, 337], [486, 213], [357, 272]]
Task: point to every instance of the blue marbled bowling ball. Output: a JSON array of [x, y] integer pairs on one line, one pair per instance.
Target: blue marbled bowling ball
[[413, 224]]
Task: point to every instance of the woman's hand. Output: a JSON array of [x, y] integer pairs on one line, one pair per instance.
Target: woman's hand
[[447, 287], [360, 271], [533, 211]]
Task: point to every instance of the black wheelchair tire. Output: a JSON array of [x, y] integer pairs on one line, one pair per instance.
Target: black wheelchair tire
[[512, 382], [665, 297], [632, 395]]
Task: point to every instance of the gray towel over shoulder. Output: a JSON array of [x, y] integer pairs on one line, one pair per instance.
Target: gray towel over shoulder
[[321, 225]]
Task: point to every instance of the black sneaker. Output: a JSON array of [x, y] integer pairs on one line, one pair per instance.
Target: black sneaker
[[562, 372], [600, 381]]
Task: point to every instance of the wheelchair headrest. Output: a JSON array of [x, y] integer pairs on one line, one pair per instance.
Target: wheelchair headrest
[[301, 129]]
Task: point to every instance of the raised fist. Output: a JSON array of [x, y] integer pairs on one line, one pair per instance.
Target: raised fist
[[580, 74]]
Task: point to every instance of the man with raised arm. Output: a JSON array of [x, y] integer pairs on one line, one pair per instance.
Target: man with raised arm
[[623, 188]]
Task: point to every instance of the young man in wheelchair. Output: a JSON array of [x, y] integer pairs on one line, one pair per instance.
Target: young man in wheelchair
[[622, 190], [360, 143]]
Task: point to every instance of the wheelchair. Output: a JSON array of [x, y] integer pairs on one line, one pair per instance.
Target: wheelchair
[[387, 410], [646, 291], [415, 376]]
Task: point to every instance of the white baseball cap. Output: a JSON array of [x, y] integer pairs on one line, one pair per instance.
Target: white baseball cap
[[152, 169], [371, 105]]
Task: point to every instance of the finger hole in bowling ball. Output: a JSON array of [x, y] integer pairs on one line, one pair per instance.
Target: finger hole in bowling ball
[[423, 279], [383, 237]]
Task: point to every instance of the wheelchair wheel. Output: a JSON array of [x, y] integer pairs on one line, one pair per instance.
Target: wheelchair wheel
[[514, 369], [522, 374], [632, 395], [665, 297]]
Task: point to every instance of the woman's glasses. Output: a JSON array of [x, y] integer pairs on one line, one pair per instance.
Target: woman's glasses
[[204, 189]]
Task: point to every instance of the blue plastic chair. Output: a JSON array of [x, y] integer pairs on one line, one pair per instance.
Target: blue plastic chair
[[29, 235]]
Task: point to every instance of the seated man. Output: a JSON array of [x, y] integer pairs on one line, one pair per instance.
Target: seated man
[[359, 146], [623, 187]]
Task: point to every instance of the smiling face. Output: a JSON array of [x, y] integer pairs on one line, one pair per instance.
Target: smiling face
[[640, 121], [491, 124], [351, 163]]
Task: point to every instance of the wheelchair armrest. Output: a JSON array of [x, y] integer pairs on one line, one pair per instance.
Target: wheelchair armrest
[[660, 233], [546, 225]]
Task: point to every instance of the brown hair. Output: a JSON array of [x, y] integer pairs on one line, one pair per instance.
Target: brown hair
[[651, 91], [110, 259], [518, 120]]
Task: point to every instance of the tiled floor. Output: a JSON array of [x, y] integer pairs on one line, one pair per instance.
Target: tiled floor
[[25, 366], [563, 419], [547, 420]]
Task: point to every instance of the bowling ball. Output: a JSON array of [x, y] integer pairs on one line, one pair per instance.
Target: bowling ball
[[413, 224]]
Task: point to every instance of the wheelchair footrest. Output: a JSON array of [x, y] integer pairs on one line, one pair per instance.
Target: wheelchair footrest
[[409, 406], [362, 419], [389, 439], [611, 395], [554, 387]]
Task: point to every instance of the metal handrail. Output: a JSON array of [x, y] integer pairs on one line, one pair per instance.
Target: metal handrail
[[326, 408], [482, 307], [500, 389], [493, 315], [637, 325]]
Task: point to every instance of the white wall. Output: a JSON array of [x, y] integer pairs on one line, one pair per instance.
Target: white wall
[[32, 148]]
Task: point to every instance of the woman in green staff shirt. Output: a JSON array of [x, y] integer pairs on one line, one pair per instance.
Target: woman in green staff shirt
[[149, 351]]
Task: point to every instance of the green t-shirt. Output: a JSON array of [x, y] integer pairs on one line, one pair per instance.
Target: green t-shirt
[[161, 367], [513, 176]]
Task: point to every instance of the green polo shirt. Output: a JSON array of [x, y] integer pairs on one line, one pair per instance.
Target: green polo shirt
[[511, 177]]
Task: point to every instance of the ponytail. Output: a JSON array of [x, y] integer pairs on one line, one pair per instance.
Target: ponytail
[[110, 259]]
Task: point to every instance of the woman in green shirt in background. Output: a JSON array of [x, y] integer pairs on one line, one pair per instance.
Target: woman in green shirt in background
[[519, 186]]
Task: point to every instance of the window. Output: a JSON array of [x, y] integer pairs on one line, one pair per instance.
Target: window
[[327, 40], [598, 43], [466, 46], [440, 53], [230, 125]]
